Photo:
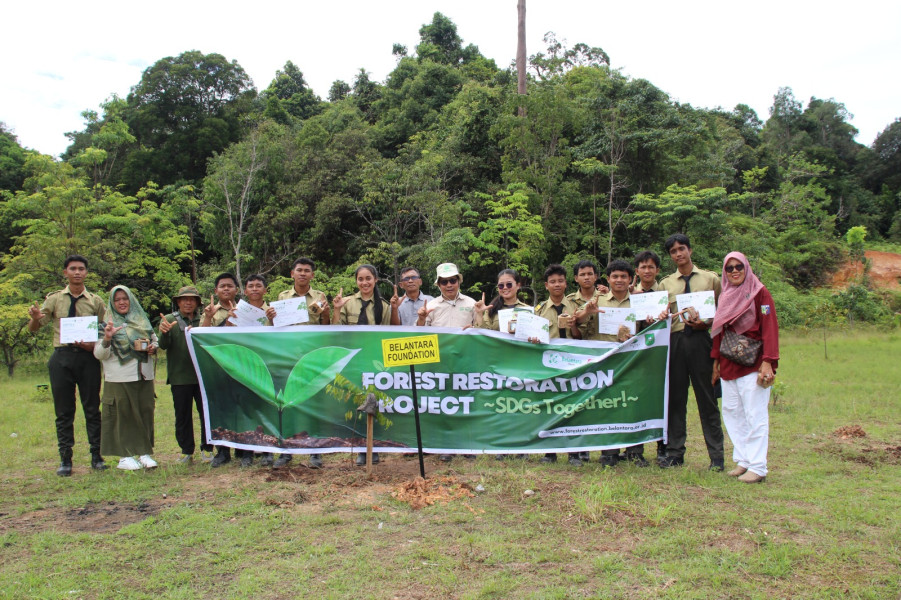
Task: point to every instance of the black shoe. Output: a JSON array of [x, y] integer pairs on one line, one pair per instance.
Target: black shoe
[[361, 459], [670, 461], [716, 466], [282, 461], [65, 467], [574, 459], [609, 460], [266, 459], [446, 457], [469, 457], [585, 456], [247, 459], [637, 459], [315, 461], [223, 456], [97, 462], [550, 457]]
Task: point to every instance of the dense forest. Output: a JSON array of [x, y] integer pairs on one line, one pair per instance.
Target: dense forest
[[197, 171]]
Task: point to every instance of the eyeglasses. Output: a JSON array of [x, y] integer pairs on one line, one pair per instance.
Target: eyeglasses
[[410, 278], [506, 285], [730, 268], [450, 281]]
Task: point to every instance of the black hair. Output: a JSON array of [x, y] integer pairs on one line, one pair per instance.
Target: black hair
[[498, 301], [75, 258], [554, 269], [646, 255], [255, 277], [303, 260], [377, 309], [620, 265], [407, 269], [225, 276], [582, 264], [672, 240]]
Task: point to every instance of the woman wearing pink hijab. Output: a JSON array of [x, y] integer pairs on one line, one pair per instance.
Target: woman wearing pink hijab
[[746, 308]]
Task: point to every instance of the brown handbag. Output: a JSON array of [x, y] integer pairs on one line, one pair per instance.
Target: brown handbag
[[739, 348]]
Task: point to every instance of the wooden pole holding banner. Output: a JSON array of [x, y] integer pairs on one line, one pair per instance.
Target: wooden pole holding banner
[[416, 418], [418, 350]]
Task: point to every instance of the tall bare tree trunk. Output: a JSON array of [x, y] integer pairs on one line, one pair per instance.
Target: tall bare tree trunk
[[521, 52]]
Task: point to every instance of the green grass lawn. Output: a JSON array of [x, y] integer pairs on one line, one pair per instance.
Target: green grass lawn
[[824, 525]]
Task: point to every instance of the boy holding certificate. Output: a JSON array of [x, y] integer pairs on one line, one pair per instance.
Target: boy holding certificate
[[73, 364], [690, 361]]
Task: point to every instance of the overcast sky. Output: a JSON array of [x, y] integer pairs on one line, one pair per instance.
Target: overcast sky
[[60, 58]]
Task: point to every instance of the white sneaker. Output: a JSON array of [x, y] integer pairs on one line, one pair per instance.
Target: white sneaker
[[206, 456], [148, 462], [128, 463]]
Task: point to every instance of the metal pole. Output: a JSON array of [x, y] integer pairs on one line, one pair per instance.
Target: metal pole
[[416, 417]]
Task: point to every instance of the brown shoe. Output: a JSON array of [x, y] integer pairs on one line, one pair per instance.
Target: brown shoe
[[737, 471], [752, 477]]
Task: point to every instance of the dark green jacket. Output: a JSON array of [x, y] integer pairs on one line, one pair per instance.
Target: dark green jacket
[[178, 359]]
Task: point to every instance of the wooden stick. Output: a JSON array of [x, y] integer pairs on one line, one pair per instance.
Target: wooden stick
[[369, 419]]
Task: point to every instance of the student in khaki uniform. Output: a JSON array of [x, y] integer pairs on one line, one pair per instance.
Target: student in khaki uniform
[[619, 275], [302, 272], [552, 309], [366, 307], [647, 267], [181, 376], [216, 313], [508, 285], [73, 365], [690, 360]]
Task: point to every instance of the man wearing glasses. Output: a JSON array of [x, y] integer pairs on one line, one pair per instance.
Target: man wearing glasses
[[452, 309], [413, 300]]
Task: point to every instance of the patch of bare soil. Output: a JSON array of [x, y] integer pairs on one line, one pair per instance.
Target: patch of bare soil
[[300, 440], [847, 432], [885, 271], [94, 517], [420, 492]]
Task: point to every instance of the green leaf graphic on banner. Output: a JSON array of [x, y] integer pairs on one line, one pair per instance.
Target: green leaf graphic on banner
[[314, 371], [246, 367]]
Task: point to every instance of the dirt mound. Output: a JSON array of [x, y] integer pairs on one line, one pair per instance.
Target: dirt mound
[[420, 492], [846, 432], [885, 272]]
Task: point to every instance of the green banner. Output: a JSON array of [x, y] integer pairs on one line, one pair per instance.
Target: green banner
[[296, 390]]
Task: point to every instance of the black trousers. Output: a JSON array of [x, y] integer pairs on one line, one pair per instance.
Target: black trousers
[[70, 367], [184, 398], [690, 362]]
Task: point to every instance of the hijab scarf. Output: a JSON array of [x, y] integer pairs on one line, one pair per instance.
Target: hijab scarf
[[137, 327], [736, 303]]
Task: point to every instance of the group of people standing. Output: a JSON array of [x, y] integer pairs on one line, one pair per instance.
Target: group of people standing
[[698, 349]]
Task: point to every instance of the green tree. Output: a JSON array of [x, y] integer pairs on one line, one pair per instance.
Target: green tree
[[292, 94], [510, 236], [16, 342]]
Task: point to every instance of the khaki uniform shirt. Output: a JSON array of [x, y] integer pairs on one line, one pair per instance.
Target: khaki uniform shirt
[[458, 312], [589, 327], [546, 310], [56, 306], [609, 301], [493, 321], [701, 281], [350, 312], [312, 297]]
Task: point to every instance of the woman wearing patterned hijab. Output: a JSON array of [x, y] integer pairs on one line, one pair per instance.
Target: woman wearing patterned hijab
[[745, 309], [127, 351]]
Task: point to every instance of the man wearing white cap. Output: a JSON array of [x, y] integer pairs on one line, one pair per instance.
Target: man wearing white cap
[[452, 309]]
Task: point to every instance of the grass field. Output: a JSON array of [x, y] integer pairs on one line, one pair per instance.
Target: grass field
[[825, 524]]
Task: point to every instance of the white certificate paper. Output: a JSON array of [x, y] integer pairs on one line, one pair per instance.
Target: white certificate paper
[[529, 326], [703, 302], [248, 315], [290, 311], [504, 316], [78, 329], [612, 319], [648, 304]]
